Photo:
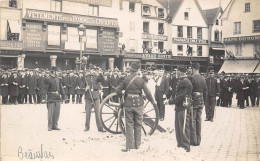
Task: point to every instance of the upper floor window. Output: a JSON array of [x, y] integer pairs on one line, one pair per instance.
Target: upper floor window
[[186, 15], [160, 28], [216, 35], [180, 50], [93, 10], [160, 12], [199, 51], [131, 7], [160, 47], [247, 7], [237, 27], [13, 3], [199, 33], [147, 47], [189, 32], [256, 26], [146, 10], [180, 31], [54, 35], [238, 49], [56, 6], [13, 30], [216, 21], [146, 27]]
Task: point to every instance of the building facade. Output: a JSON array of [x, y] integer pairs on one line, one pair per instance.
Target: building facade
[[241, 36]]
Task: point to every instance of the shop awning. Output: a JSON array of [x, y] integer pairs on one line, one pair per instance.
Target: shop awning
[[218, 49], [239, 66], [257, 70], [14, 26]]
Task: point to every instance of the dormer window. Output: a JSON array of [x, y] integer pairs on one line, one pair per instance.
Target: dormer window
[[131, 7], [146, 10], [161, 13], [186, 15]]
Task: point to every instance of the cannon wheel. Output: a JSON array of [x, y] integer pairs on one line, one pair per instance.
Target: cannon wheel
[[109, 112], [150, 119]]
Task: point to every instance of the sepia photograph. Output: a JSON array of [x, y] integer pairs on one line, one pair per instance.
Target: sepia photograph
[[129, 80]]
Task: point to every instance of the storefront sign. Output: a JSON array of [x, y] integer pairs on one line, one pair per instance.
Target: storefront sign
[[187, 40], [242, 39], [108, 43], [185, 58], [107, 3], [154, 37], [11, 45], [10, 52], [133, 55], [59, 17], [148, 56], [34, 37]]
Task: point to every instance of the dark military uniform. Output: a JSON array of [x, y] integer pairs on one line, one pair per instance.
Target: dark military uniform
[[53, 101], [199, 94], [133, 107], [93, 98]]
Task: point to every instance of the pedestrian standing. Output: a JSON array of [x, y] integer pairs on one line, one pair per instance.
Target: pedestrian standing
[[31, 87], [253, 87], [4, 88], [80, 87], [71, 87], [23, 83], [241, 87], [14, 83]]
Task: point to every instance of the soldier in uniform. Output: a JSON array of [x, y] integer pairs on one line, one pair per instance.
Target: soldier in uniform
[[4, 88], [182, 103], [199, 94], [133, 106], [92, 98], [54, 91]]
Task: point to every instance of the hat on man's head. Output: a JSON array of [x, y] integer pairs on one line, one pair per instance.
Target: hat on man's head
[[182, 69], [135, 66], [91, 66], [211, 72], [195, 66]]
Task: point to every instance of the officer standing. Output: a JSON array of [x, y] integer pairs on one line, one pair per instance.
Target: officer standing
[[182, 103], [199, 94], [92, 98], [133, 106], [54, 91]]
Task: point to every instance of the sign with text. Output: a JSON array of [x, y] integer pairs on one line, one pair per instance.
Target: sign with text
[[188, 40], [60, 17], [148, 56], [255, 38], [34, 37], [107, 3], [10, 52], [154, 37], [186, 58], [108, 43], [11, 45]]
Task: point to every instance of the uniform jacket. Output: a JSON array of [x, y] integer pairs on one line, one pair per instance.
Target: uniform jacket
[[199, 85], [31, 84], [213, 85], [54, 85], [13, 88], [71, 84], [247, 91], [4, 86], [135, 88], [183, 90], [92, 81]]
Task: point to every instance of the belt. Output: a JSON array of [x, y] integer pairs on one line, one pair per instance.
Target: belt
[[56, 92], [105, 87], [133, 95], [197, 93]]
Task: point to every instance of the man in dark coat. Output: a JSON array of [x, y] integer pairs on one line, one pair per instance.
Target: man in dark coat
[[4, 88], [64, 82], [253, 87], [247, 91], [105, 82], [41, 90], [23, 83], [71, 86], [114, 81], [80, 87], [31, 87], [14, 82], [226, 91], [133, 106], [213, 91], [161, 90], [241, 87]]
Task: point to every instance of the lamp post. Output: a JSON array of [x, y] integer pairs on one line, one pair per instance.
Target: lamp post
[[81, 30]]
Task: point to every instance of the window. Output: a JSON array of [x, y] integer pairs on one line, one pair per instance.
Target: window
[[146, 27], [216, 35], [257, 50], [93, 10], [256, 26], [180, 50], [146, 11], [73, 35], [160, 47], [132, 26], [132, 45], [189, 50], [216, 21], [13, 3], [189, 32], [160, 28], [186, 15], [147, 47], [199, 51], [13, 30], [131, 7], [53, 35], [160, 12], [238, 49], [56, 6], [199, 33], [180, 31], [247, 7], [91, 39], [237, 27]]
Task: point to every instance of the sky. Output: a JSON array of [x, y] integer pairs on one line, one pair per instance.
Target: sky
[[206, 4]]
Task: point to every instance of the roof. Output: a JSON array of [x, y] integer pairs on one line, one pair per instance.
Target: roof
[[173, 5], [227, 9], [211, 15]]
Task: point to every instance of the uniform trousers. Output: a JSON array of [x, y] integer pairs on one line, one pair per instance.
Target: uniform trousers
[[195, 134], [53, 114], [88, 107], [133, 119], [183, 139], [210, 107]]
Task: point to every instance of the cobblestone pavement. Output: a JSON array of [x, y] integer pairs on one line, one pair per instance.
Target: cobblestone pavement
[[233, 136]]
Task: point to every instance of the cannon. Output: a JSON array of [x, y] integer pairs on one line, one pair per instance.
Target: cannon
[[112, 116]]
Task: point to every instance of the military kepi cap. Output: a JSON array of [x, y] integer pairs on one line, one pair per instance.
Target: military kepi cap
[[182, 69], [195, 66], [135, 66]]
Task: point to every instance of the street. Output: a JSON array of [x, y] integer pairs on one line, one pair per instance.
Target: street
[[234, 135]]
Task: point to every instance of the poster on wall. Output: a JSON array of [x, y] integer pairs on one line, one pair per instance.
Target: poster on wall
[[34, 38], [108, 43]]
